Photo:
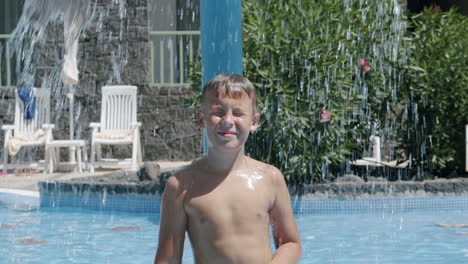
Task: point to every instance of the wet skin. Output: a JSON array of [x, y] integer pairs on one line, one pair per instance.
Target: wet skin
[[229, 218], [227, 201]]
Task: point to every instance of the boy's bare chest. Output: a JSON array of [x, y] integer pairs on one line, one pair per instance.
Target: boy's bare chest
[[241, 198]]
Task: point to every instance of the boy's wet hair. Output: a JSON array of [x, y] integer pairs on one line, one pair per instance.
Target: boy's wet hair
[[230, 85]]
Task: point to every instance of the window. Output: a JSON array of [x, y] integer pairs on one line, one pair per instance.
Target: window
[[10, 12], [174, 38]]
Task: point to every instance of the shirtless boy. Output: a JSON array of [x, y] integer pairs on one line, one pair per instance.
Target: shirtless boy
[[227, 201]]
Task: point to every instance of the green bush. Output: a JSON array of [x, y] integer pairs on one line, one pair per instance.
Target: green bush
[[303, 56], [436, 91]]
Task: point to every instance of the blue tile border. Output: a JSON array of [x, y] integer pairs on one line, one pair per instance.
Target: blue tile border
[[151, 204], [303, 206], [131, 203]]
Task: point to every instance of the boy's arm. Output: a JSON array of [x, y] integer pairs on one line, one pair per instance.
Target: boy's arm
[[172, 225], [285, 232]]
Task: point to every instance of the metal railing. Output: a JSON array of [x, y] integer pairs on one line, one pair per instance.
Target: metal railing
[[5, 63], [171, 53]]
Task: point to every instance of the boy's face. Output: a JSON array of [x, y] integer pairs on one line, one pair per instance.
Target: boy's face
[[228, 121]]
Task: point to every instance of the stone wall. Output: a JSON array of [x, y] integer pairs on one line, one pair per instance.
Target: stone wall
[[114, 50], [383, 189]]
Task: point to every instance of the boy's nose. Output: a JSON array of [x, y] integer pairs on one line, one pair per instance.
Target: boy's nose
[[227, 119]]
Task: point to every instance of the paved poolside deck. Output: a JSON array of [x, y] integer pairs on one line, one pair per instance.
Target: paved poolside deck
[[28, 181]]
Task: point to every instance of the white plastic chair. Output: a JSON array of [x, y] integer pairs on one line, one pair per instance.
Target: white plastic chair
[[28, 132], [118, 126]]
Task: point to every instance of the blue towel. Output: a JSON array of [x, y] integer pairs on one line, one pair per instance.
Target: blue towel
[[29, 101]]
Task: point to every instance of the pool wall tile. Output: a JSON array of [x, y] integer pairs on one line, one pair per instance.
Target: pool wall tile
[[132, 203], [136, 204], [302, 206], [317, 199]]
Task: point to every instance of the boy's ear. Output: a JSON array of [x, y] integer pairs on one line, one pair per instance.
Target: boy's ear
[[255, 121], [200, 122]]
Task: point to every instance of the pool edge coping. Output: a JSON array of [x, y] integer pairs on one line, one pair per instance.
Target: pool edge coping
[[34, 194]]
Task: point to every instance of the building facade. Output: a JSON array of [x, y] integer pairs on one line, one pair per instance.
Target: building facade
[[145, 43]]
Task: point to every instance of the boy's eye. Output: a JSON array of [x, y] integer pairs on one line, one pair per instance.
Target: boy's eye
[[217, 113], [238, 113]]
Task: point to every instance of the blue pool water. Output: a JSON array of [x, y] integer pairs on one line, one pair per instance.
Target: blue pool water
[[85, 236], [410, 237]]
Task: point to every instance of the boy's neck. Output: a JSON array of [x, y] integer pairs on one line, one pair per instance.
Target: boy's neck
[[224, 162]]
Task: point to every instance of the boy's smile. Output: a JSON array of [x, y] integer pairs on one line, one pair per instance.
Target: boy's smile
[[227, 134], [228, 121]]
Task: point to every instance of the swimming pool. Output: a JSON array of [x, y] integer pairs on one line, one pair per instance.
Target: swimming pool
[[410, 237], [68, 235]]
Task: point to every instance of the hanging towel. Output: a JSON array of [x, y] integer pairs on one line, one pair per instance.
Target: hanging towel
[[74, 21], [123, 136], [29, 101], [15, 143]]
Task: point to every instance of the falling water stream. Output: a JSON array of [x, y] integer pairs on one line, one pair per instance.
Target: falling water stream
[[41, 61]]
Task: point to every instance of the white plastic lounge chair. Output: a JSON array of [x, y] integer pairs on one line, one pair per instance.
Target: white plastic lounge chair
[[375, 160], [28, 132], [118, 126]]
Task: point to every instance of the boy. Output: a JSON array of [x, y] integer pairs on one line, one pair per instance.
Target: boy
[[226, 200]]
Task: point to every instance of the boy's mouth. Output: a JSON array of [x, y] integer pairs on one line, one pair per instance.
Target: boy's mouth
[[227, 133]]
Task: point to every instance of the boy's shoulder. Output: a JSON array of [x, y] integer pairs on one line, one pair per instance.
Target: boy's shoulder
[[193, 165], [265, 167], [183, 174]]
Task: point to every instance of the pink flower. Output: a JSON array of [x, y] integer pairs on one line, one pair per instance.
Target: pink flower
[[435, 9], [325, 115], [362, 62], [366, 68]]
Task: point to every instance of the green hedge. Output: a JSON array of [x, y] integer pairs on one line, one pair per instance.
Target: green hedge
[[436, 91], [303, 56]]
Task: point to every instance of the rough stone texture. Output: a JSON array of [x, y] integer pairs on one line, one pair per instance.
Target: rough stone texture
[[83, 189], [149, 180], [350, 178], [384, 189], [150, 171], [116, 183], [168, 131]]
